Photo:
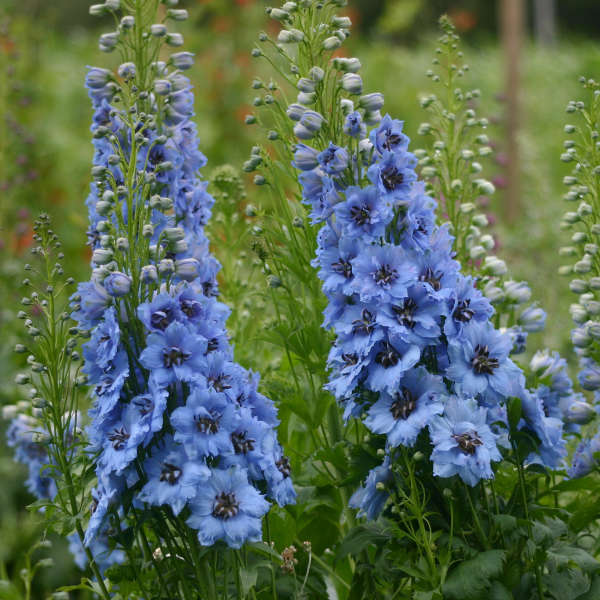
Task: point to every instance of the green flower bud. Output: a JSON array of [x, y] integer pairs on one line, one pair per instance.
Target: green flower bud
[[484, 186], [578, 286]]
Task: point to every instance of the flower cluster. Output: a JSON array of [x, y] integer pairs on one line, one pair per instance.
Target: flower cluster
[[584, 221], [173, 415], [415, 352]]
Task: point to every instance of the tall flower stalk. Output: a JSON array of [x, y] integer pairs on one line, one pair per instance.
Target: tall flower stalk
[[183, 444], [418, 358]]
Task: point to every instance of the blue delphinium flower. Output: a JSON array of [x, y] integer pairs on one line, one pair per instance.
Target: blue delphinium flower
[[172, 412], [370, 499], [479, 364], [586, 457], [415, 352], [228, 508], [463, 443], [412, 407]]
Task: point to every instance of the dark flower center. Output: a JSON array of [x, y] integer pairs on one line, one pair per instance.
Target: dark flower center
[[207, 424], [209, 289], [144, 404], [403, 405], [468, 441], [405, 313], [104, 386], [350, 359], [365, 324], [482, 362], [342, 267], [175, 356], [392, 178], [361, 215], [160, 319], [212, 345], [463, 312], [385, 275], [241, 443], [226, 506], [170, 473], [218, 382], [433, 278], [119, 438], [190, 308], [284, 467], [392, 140], [388, 356]]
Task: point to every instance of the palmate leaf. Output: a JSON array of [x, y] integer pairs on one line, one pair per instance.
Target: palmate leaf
[[473, 578]]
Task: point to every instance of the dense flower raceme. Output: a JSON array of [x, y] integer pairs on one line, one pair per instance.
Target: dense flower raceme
[[415, 349], [173, 414]]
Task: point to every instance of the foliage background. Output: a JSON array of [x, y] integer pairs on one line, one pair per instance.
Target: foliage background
[[45, 154]]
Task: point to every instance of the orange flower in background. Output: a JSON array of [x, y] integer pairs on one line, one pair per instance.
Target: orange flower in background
[[464, 20]]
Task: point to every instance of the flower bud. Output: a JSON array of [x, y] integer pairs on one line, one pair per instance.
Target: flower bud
[[495, 266], [278, 14], [580, 337], [306, 85], [484, 186], [98, 10], [352, 83], [580, 412], [302, 133], [312, 120], [291, 36], [149, 274], [182, 60], [177, 14], [493, 293], [166, 267], [174, 234], [517, 291], [162, 87], [477, 252], [372, 117], [122, 244], [316, 73], [532, 319], [187, 269], [108, 41], [305, 157], [332, 43], [295, 111], [22, 379], [117, 284], [307, 98], [102, 256], [174, 39], [127, 70], [127, 22], [371, 102]]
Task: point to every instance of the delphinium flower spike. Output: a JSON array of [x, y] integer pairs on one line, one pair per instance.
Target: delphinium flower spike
[[582, 148], [416, 353], [453, 167], [177, 427]]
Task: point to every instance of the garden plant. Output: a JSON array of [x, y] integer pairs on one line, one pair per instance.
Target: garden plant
[[400, 441]]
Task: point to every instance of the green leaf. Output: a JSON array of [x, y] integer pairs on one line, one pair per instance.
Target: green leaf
[[472, 578], [594, 592], [514, 413], [564, 555], [498, 591], [248, 579], [360, 538]]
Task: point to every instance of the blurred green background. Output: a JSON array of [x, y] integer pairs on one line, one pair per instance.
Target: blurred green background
[[46, 151]]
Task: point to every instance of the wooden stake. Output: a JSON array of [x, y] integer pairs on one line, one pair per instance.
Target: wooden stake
[[512, 17]]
